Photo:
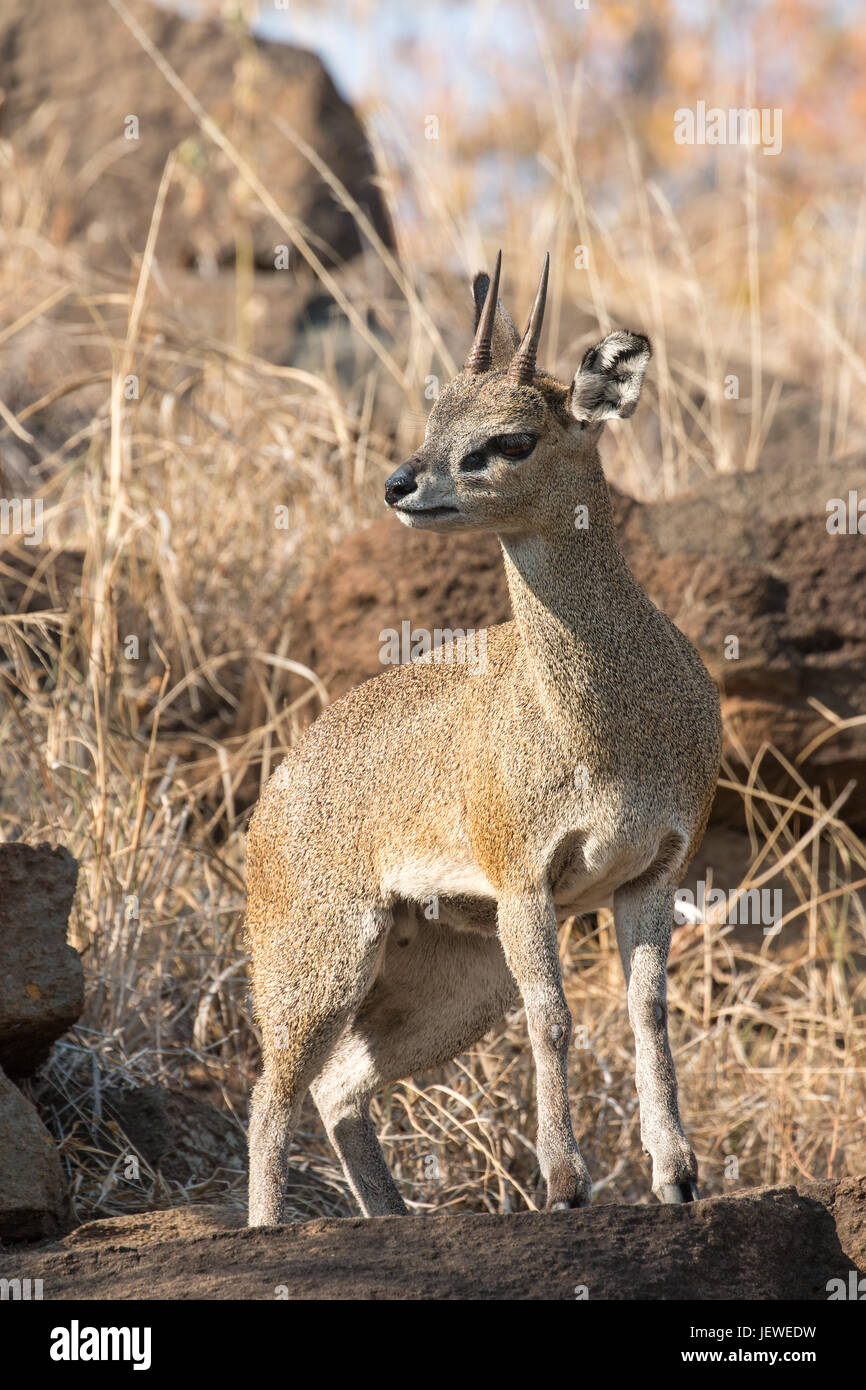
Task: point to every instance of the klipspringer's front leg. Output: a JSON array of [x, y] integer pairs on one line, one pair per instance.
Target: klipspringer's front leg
[[527, 929], [644, 919]]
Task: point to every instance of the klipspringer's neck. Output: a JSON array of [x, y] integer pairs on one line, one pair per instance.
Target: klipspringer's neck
[[574, 600]]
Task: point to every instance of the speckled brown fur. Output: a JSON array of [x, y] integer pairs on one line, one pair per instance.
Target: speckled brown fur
[[577, 769]]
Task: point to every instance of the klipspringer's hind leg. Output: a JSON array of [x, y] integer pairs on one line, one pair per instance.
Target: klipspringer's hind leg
[[304, 996], [434, 996], [342, 1094], [644, 915], [273, 1118]]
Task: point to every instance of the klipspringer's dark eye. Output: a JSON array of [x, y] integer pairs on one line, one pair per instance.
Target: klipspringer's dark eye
[[471, 463], [514, 446]]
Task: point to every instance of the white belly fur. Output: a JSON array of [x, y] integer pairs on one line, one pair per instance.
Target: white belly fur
[[579, 889], [418, 879]]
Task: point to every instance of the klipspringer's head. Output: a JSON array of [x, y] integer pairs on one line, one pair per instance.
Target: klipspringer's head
[[506, 443]]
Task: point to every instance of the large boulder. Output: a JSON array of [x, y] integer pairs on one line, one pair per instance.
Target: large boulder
[[105, 190], [765, 1244], [33, 1199], [41, 977]]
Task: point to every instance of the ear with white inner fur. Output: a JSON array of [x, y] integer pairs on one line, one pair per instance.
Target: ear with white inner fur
[[609, 379], [505, 338]]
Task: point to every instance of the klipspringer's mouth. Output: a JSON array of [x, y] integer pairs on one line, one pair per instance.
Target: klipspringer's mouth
[[418, 516]]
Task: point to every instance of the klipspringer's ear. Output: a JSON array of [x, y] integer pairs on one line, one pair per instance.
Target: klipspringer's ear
[[609, 379], [505, 335]]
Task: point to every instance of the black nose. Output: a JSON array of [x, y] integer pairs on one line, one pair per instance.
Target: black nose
[[400, 484]]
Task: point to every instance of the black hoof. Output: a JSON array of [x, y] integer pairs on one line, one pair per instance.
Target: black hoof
[[573, 1204], [675, 1194]]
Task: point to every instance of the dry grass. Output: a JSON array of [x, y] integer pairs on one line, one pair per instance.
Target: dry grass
[[170, 503]]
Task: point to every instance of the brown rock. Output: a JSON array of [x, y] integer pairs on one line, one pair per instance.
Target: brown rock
[[44, 356], [187, 1140], [108, 183], [771, 1243], [41, 977], [33, 1201], [847, 1201]]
